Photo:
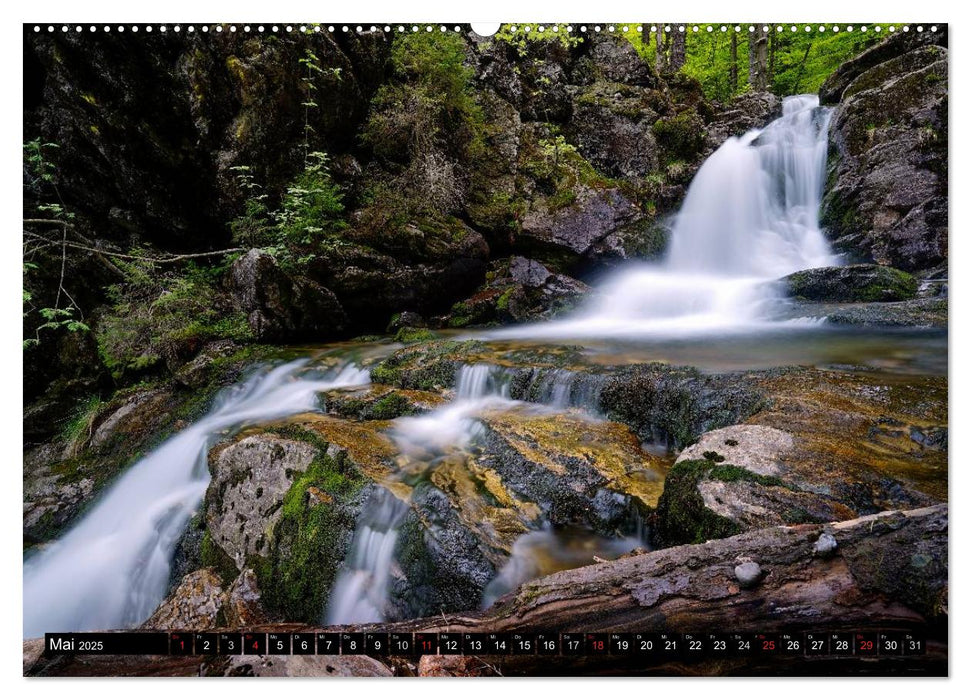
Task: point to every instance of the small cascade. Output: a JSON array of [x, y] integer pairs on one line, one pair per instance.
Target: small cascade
[[360, 593], [111, 570]]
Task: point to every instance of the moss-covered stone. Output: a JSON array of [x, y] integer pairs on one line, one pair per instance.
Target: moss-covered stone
[[852, 283], [682, 517]]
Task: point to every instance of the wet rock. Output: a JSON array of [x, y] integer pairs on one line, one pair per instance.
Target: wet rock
[[825, 546], [195, 604], [852, 283], [916, 313], [671, 406], [887, 197], [284, 504], [243, 604], [748, 574], [244, 498], [282, 307]]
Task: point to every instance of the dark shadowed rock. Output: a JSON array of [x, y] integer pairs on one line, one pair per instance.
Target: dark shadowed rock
[[887, 196], [753, 110], [281, 306], [577, 228]]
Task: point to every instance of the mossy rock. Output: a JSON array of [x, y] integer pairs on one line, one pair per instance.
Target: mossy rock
[[425, 366], [852, 283]]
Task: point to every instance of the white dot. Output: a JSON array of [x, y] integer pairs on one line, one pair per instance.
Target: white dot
[[694, 29], [596, 28], [723, 28], [640, 27], [906, 28], [64, 28], [877, 28], [583, 27], [414, 28], [892, 28], [611, 28], [458, 28], [428, 28], [360, 28], [36, 28], [863, 28], [387, 28], [191, 29], [78, 28], [737, 28], [808, 28], [134, 29], [121, 29], [107, 28], [177, 29], [261, 28], [569, 27], [681, 29], [92, 28], [373, 28], [849, 28], [792, 28], [163, 29], [920, 29], [147, 29], [751, 28], [708, 29], [303, 27], [626, 29], [934, 28], [289, 27], [836, 29]]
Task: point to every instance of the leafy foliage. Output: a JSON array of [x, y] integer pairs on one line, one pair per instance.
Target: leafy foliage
[[155, 317]]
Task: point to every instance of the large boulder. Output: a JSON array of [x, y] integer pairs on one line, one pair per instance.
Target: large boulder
[[853, 283], [281, 306], [887, 196], [752, 110], [576, 229]]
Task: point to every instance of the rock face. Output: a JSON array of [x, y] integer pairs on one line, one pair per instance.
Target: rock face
[[853, 283], [577, 229], [282, 307], [887, 196]]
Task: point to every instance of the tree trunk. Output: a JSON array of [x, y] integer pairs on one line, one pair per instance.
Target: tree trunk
[[733, 68], [770, 74], [889, 571], [677, 50], [758, 59], [660, 55]]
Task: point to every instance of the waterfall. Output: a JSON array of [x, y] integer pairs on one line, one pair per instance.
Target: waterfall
[[750, 216], [111, 570]]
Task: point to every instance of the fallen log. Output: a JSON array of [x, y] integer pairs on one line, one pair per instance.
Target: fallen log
[[887, 571]]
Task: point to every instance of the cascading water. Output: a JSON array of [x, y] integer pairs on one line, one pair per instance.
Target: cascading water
[[360, 593], [112, 568], [750, 216]]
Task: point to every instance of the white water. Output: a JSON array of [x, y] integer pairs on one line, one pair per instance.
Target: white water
[[111, 570], [361, 591], [750, 216]]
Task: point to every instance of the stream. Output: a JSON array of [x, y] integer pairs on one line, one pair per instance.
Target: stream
[[749, 217]]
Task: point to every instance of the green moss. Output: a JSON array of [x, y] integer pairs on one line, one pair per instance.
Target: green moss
[[414, 335], [310, 540], [213, 556], [681, 137], [681, 514]]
